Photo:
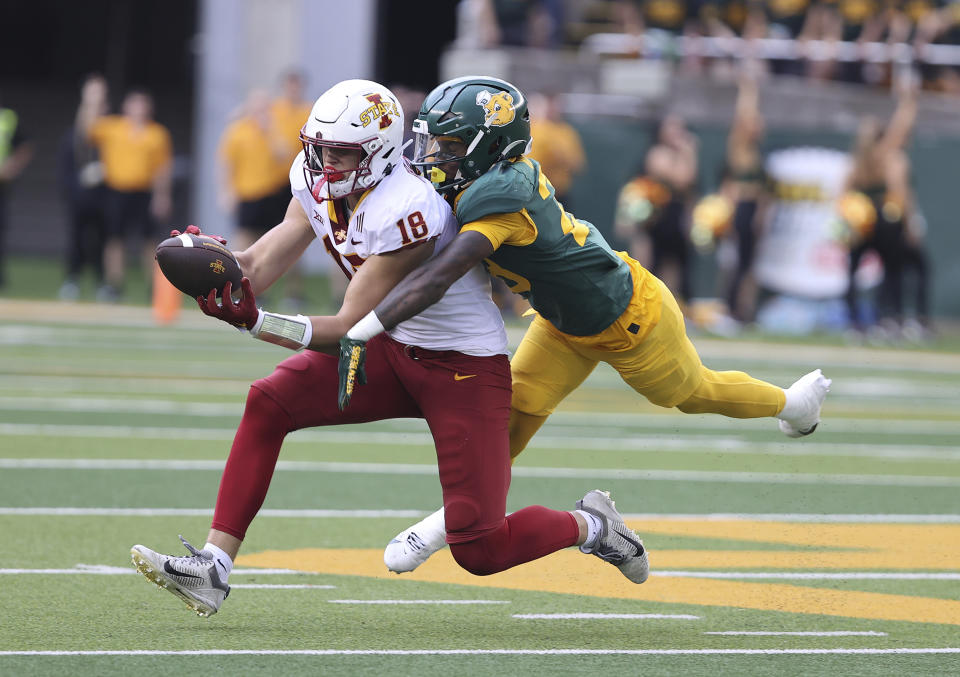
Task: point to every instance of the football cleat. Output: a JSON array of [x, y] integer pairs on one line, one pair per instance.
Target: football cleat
[[616, 544], [811, 390], [195, 578], [414, 545]]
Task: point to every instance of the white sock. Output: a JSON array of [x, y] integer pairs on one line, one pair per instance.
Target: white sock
[[793, 407], [222, 560], [594, 527]]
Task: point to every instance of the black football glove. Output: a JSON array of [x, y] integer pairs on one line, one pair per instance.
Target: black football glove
[[350, 369]]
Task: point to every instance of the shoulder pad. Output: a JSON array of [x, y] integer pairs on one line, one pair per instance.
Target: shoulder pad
[[297, 180], [508, 187]]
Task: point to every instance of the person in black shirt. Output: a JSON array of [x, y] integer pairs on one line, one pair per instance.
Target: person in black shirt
[[15, 154], [81, 181]]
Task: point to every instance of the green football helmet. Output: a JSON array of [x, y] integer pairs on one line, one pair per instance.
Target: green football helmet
[[466, 126]]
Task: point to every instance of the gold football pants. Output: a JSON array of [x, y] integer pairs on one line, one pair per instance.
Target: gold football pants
[[659, 362]]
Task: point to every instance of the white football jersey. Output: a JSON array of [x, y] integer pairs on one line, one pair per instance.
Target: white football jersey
[[404, 209]]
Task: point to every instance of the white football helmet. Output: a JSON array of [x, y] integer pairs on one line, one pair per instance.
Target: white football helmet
[[353, 114]]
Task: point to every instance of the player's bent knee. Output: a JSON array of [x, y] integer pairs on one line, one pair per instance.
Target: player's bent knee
[[264, 412], [461, 515], [474, 556]]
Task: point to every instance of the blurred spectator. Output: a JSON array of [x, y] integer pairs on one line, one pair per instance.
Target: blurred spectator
[[81, 182], [410, 101], [517, 23], [881, 172], [254, 171], [660, 21], [652, 208], [137, 161], [672, 162], [744, 185], [556, 144], [916, 265], [941, 26], [289, 111], [15, 153]]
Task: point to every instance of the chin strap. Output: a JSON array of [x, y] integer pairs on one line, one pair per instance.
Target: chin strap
[[293, 332]]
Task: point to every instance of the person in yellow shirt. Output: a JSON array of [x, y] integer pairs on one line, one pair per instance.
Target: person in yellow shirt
[[288, 112], [137, 156], [556, 145], [253, 171]]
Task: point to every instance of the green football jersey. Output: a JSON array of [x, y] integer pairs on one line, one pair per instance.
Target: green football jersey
[[568, 273]]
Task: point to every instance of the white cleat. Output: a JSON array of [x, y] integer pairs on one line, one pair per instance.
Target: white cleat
[[810, 391], [617, 544], [414, 545], [195, 578]]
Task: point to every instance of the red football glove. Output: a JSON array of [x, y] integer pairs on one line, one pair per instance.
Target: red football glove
[[194, 230], [243, 313]]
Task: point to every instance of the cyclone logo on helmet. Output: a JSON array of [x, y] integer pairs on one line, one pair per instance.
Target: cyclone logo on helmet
[[498, 108]]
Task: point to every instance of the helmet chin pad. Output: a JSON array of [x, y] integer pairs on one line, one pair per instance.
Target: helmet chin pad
[[331, 183]]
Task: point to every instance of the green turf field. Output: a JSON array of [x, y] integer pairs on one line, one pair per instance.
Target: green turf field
[[837, 554]]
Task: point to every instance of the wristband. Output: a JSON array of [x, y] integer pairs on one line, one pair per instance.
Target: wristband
[[283, 330], [368, 327]]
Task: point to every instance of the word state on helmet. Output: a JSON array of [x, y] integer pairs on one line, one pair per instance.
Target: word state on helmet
[[353, 115]]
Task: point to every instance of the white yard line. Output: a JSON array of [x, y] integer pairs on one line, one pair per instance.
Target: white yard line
[[840, 518], [568, 420], [206, 512], [773, 633], [678, 421], [489, 652], [694, 444], [417, 601], [813, 576], [589, 616], [863, 388], [539, 472], [104, 570]]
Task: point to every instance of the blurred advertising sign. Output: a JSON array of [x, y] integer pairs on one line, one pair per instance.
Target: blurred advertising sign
[[799, 254]]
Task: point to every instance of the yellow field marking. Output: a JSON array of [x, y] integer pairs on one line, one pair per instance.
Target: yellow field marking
[[831, 546], [877, 546]]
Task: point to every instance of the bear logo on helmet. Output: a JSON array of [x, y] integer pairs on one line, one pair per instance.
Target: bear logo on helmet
[[498, 108]]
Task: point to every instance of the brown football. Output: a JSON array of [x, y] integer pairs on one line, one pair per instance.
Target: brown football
[[195, 264]]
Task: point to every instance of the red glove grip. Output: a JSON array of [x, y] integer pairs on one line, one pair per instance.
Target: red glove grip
[[194, 230], [243, 313]]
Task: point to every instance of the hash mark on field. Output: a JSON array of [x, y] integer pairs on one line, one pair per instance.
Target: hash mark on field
[[827, 633], [679, 617], [279, 586], [417, 601]]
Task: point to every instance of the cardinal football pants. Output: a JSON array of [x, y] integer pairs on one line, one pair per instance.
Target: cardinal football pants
[[466, 403]]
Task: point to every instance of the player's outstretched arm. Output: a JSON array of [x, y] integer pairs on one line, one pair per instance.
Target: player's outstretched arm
[[427, 284], [322, 332], [274, 253], [419, 290], [371, 284]]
